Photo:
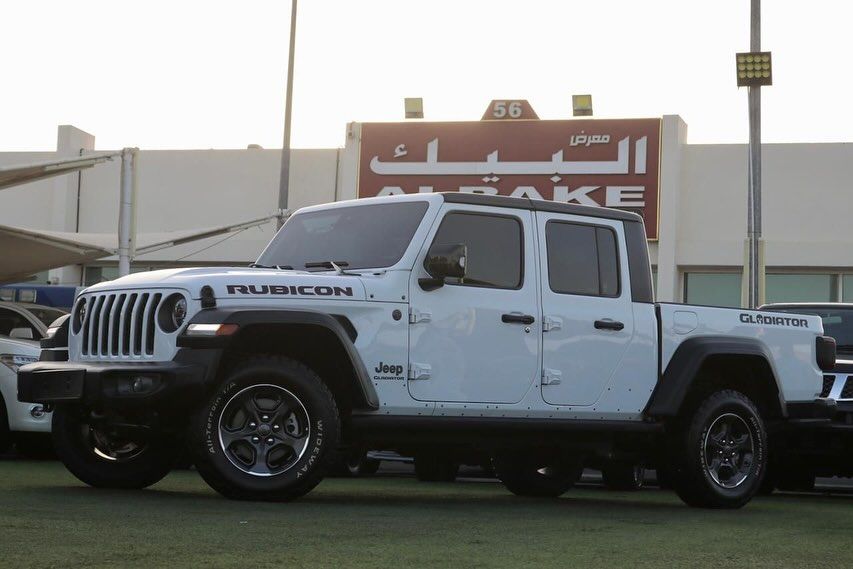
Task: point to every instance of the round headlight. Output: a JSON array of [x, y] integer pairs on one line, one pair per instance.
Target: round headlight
[[179, 312], [172, 313], [79, 316]]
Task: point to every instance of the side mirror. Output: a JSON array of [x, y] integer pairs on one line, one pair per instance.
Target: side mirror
[[442, 262], [21, 333]]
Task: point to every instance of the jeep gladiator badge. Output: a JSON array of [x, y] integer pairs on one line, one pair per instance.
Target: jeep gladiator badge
[[385, 371], [774, 320]]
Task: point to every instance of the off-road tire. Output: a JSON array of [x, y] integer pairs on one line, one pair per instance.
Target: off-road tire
[[623, 476], [72, 446], [689, 441], [537, 477], [433, 467], [323, 432]]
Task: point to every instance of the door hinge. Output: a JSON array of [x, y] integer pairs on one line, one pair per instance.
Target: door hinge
[[419, 371], [416, 316], [551, 323], [551, 376]]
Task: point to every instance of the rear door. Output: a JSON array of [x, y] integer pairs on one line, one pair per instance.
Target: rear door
[[477, 339], [586, 303]]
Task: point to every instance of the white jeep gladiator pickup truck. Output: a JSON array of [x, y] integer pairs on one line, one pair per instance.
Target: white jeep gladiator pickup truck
[[449, 322]]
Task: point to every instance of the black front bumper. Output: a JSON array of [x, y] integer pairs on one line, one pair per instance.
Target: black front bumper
[[124, 384], [821, 409]]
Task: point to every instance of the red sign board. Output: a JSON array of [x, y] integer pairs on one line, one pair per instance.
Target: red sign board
[[610, 163]]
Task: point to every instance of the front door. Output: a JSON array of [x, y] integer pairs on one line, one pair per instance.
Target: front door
[[586, 306], [477, 339]]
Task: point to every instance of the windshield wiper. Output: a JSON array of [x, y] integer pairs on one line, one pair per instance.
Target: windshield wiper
[[326, 264], [337, 266], [279, 267]]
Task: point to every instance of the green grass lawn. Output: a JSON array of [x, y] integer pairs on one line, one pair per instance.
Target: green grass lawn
[[49, 519]]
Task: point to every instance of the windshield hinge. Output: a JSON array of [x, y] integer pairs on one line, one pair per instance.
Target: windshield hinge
[[416, 316], [551, 323], [551, 376]]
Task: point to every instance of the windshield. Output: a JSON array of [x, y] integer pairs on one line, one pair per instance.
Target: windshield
[[354, 237], [45, 314], [837, 322]]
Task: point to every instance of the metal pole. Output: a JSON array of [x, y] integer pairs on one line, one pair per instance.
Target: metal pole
[[125, 212], [284, 178], [754, 192]]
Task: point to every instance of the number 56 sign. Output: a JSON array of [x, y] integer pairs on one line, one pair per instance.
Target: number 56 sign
[[509, 109]]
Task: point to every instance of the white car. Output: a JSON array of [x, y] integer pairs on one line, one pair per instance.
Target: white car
[[21, 328]]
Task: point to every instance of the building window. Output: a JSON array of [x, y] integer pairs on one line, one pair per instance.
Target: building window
[[93, 275], [799, 288], [712, 289], [847, 288]]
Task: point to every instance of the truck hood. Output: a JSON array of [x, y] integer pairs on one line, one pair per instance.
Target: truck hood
[[244, 283]]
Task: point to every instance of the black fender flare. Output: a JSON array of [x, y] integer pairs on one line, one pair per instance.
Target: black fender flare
[[249, 316], [683, 369]]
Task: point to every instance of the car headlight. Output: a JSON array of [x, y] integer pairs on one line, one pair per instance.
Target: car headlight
[[14, 361], [179, 312], [172, 313]]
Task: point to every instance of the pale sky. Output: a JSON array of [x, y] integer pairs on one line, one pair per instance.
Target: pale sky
[[211, 74]]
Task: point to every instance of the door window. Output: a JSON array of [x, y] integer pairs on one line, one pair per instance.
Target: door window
[[582, 259], [494, 248]]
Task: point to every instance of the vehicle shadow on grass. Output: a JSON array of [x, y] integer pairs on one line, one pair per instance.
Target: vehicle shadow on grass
[[397, 498]]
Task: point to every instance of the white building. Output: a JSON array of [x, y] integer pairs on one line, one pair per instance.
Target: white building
[[807, 195]]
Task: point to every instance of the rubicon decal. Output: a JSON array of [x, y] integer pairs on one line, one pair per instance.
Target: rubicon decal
[[774, 320], [292, 290]]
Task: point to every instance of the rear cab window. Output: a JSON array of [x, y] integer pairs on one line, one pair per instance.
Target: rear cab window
[[582, 259]]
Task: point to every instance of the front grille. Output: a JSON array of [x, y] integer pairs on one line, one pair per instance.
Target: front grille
[[119, 324], [828, 382], [847, 392]]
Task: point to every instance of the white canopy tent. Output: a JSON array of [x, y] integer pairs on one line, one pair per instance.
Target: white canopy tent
[[25, 252], [24, 173]]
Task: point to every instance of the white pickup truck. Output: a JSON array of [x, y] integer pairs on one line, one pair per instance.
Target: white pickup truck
[[448, 323]]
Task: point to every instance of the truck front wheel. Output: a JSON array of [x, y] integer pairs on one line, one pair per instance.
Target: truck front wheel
[[267, 433], [718, 455], [104, 457]]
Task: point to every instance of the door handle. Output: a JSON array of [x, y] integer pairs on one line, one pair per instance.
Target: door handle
[[608, 325], [517, 318]]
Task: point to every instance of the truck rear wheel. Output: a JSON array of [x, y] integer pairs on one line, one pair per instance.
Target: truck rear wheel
[[537, 477], [719, 456], [104, 458], [268, 432]]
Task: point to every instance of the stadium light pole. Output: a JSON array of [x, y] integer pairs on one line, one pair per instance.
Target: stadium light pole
[[753, 77], [754, 70], [284, 176]]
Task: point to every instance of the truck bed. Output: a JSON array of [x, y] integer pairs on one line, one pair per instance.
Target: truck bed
[[789, 338]]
